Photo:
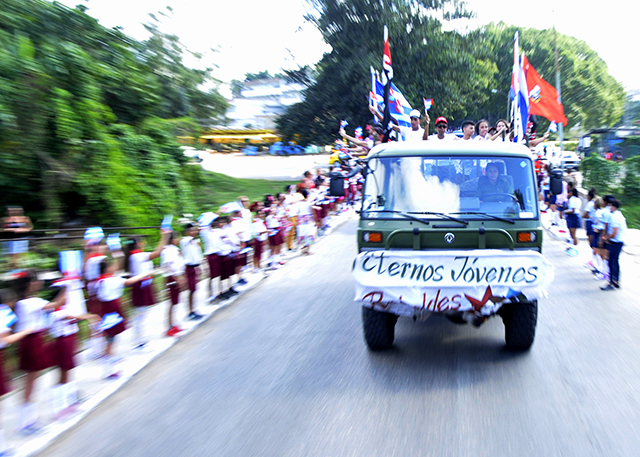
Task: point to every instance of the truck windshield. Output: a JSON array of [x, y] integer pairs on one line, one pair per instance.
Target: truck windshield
[[467, 186]]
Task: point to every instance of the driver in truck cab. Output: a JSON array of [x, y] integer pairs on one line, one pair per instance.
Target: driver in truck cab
[[494, 182]]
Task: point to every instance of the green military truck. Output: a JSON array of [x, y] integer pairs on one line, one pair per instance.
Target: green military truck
[[450, 227]]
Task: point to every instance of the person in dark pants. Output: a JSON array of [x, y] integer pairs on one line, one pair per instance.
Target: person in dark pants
[[614, 242]]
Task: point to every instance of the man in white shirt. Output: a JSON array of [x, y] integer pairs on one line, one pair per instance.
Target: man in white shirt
[[413, 133]]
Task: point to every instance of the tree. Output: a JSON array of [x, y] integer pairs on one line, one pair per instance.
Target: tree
[[427, 61], [590, 96]]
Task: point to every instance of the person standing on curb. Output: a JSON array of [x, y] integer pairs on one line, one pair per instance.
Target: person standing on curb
[[173, 264], [572, 214], [138, 263], [614, 239], [32, 314], [192, 254]]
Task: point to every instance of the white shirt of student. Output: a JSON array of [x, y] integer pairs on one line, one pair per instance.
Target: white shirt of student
[[242, 227], [191, 251], [597, 221], [31, 314], [110, 288], [575, 203], [618, 221], [272, 222], [226, 245], [74, 306], [434, 136], [305, 208], [260, 230], [232, 237], [606, 216], [412, 135], [590, 209], [212, 241], [92, 267], [139, 263], [171, 261]]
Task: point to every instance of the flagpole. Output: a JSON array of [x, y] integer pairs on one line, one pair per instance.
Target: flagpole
[[560, 126]]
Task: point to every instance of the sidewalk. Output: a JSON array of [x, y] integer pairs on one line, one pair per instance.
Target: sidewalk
[[93, 389]]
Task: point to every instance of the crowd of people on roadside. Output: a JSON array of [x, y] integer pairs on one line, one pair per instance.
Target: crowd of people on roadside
[[602, 219], [217, 251]]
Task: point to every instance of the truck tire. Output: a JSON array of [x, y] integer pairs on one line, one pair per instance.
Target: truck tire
[[378, 328], [520, 324]]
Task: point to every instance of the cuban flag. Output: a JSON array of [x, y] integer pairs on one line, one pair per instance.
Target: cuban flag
[[520, 106], [399, 107], [428, 103]]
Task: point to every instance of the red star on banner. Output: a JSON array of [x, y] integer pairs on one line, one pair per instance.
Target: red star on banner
[[478, 304]]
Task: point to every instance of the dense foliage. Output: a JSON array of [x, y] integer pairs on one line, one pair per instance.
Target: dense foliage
[[85, 134], [467, 75]]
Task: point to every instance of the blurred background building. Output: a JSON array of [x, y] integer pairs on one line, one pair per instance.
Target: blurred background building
[[260, 102]]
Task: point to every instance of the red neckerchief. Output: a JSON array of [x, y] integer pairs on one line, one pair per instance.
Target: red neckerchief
[[95, 254], [136, 251], [105, 276]]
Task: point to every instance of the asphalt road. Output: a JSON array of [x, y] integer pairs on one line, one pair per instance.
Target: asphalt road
[[284, 371]]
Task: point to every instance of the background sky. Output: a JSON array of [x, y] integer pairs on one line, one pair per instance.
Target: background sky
[[241, 36]]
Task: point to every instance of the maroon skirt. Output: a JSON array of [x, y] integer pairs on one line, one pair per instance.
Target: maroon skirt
[[113, 306], [191, 272], [142, 295], [215, 265], [93, 304], [174, 289], [64, 351], [227, 263], [277, 239], [257, 249], [34, 354], [4, 387], [240, 260]]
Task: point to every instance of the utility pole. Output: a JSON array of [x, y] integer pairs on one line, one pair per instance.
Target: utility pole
[[560, 126]]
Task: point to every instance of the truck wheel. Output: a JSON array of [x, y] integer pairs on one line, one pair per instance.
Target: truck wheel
[[520, 324], [378, 328]]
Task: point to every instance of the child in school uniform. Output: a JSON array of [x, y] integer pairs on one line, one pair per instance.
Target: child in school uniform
[[109, 289], [141, 263], [94, 252], [7, 320], [34, 356], [173, 266], [261, 233], [227, 249], [211, 233], [192, 254], [275, 238], [64, 328]]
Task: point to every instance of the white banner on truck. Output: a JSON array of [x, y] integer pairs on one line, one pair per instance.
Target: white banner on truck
[[439, 281]]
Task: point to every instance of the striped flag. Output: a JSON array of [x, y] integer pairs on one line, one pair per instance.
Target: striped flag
[[520, 95]]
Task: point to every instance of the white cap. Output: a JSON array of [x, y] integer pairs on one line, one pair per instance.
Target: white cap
[[415, 113]]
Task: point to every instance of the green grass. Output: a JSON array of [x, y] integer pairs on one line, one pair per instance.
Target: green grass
[[215, 189], [632, 215]]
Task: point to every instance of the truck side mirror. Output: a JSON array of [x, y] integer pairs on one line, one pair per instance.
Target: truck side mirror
[[555, 181]]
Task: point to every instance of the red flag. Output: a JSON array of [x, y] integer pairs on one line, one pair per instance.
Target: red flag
[[543, 97]]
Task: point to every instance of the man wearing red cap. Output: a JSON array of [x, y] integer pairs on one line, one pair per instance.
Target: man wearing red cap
[[441, 130]]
